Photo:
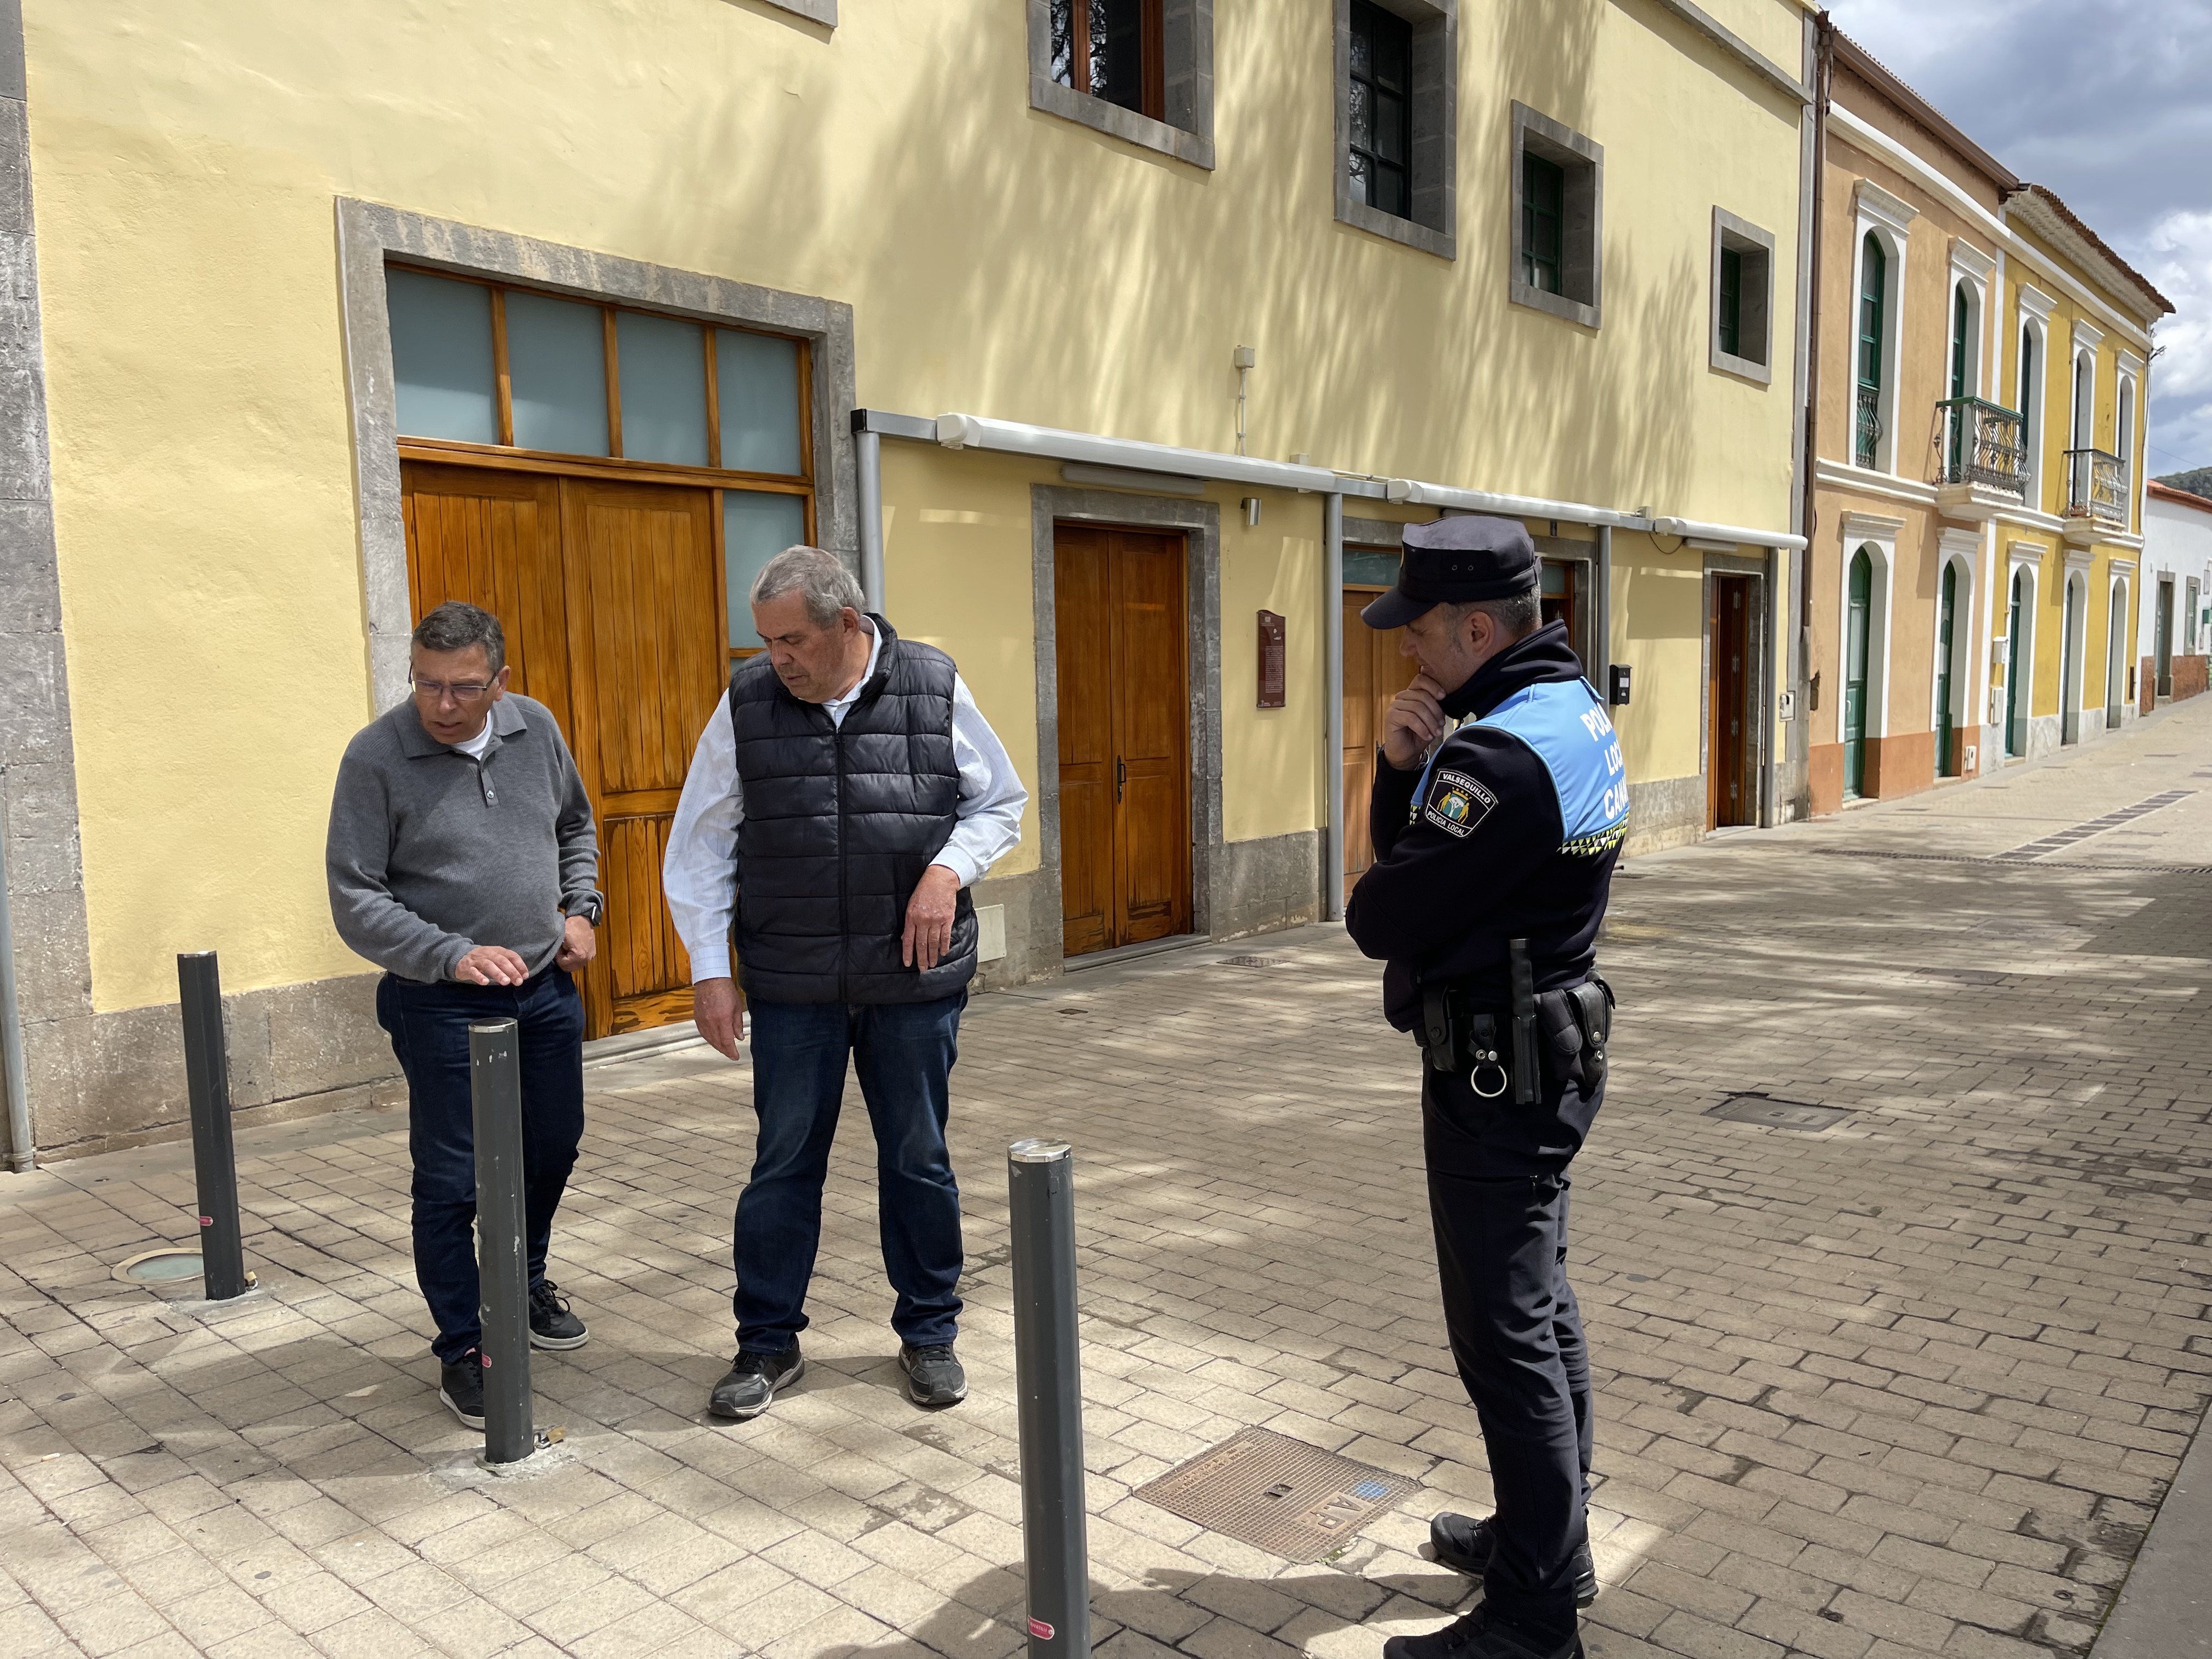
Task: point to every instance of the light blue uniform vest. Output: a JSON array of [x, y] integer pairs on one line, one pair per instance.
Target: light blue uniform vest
[[1565, 722]]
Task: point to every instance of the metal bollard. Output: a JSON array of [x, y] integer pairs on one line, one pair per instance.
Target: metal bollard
[[214, 1163], [1048, 1391], [502, 1264]]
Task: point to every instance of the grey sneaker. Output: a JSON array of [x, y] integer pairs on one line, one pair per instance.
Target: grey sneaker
[[460, 1386], [753, 1381], [1466, 1545], [551, 1324], [934, 1376]]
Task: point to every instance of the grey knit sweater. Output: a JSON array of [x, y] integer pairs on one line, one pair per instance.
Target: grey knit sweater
[[433, 853]]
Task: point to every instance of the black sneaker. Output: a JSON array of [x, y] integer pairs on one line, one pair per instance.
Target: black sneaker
[[753, 1381], [551, 1324], [461, 1387], [1465, 1543], [1481, 1635], [934, 1376]]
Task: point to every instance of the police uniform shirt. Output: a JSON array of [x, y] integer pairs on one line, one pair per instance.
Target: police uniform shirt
[[1510, 829]]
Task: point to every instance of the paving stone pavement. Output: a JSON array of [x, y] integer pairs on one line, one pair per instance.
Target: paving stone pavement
[[1912, 1385]]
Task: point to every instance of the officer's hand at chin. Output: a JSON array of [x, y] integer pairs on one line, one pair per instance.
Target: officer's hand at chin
[[1414, 720]]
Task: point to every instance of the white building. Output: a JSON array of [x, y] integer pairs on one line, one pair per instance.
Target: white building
[[2176, 627]]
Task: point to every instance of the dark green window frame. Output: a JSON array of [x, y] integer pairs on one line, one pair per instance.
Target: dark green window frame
[[1731, 301], [1543, 207], [1382, 110]]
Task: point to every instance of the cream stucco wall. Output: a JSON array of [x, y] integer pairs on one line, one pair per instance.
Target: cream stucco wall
[[187, 154]]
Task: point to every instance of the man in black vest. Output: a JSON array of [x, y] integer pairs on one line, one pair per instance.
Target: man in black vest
[[864, 793]]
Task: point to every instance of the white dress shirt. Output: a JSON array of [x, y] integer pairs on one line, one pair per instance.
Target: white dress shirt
[[700, 875]]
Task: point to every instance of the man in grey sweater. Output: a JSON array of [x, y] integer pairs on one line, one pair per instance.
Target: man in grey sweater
[[463, 861]]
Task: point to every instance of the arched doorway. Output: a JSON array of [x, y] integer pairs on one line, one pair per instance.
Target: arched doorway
[[1946, 609], [2019, 654], [2116, 655], [2070, 663], [1856, 620]]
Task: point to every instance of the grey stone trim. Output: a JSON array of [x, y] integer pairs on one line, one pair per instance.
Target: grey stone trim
[[1373, 533], [1582, 232], [1665, 813], [1187, 134], [1754, 323], [815, 11], [369, 233], [1434, 225], [43, 865], [1261, 886], [1213, 890], [117, 1079]]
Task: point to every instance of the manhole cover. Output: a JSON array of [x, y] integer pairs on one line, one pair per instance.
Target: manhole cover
[[159, 1266], [1777, 1114], [1251, 962], [1287, 1497]]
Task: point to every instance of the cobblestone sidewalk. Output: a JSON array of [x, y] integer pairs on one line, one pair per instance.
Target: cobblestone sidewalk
[[1911, 1385]]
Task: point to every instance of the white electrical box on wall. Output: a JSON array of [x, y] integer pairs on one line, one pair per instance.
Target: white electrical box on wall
[[1967, 765]]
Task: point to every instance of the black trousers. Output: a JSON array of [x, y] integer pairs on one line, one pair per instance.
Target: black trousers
[[1498, 1198]]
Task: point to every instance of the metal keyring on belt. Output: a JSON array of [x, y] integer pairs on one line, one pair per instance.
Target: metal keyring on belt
[[1474, 1079]]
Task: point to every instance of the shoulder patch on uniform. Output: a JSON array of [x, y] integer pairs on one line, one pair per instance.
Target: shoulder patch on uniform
[[1457, 802]]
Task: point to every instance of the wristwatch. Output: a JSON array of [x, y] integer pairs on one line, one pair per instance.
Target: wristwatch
[[587, 905]]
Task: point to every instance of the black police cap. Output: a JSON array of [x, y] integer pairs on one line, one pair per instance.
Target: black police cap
[[1452, 561]]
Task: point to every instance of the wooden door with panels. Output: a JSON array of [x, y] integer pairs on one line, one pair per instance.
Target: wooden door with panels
[[1729, 792], [610, 593], [1120, 624], [1375, 671]]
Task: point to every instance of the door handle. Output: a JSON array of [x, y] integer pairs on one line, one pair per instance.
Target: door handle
[[1120, 777]]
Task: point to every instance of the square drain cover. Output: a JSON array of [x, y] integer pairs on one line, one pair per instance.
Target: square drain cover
[[1777, 1114], [1292, 1499]]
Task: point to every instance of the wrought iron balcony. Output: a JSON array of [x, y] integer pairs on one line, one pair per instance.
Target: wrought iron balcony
[[2096, 486], [1869, 429], [1979, 443]]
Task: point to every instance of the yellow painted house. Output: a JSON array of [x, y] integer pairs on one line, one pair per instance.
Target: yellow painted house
[[1112, 362], [1981, 365]]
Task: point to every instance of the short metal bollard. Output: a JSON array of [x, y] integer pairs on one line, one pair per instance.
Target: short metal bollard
[[1049, 1390], [214, 1163], [502, 1259]]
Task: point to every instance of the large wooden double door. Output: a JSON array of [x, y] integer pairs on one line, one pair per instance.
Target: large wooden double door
[[1375, 671], [610, 594], [1730, 794], [1120, 626]]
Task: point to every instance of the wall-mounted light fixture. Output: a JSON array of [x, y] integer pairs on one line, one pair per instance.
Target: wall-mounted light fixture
[[1251, 511]]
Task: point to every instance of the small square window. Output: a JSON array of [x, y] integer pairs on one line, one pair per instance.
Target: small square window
[[1141, 70], [1558, 198], [1743, 294], [1397, 88]]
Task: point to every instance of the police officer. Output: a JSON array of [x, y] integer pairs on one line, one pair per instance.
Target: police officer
[[1494, 847]]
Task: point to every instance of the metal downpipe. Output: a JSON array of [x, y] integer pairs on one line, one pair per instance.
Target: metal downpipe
[[22, 1151], [868, 453], [1331, 631]]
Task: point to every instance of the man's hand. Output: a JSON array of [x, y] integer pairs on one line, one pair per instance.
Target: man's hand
[[929, 918], [491, 964], [720, 1014], [579, 945], [1414, 720]]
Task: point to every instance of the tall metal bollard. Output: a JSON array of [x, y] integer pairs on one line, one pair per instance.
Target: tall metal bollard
[[1049, 1390], [214, 1163], [502, 1263]]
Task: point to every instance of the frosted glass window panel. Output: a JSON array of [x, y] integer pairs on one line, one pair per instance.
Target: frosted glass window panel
[[756, 382], [662, 365], [442, 359], [754, 529], [556, 360]]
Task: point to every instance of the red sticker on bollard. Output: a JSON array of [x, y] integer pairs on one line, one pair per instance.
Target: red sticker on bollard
[[485, 1357], [1042, 1631], [207, 1221]]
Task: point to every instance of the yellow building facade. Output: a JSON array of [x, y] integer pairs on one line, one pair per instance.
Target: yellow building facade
[[1980, 411], [1114, 376]]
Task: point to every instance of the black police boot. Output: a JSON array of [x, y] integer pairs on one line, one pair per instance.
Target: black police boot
[[1466, 1545], [934, 1376], [1482, 1634], [551, 1324], [460, 1385], [753, 1381]]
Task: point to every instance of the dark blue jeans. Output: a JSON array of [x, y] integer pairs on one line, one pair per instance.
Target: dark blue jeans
[[903, 1052], [429, 1025]]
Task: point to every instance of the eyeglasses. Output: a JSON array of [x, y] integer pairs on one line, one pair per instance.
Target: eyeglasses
[[463, 691]]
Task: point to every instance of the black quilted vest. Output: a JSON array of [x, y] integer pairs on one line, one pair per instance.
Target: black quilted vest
[[839, 822]]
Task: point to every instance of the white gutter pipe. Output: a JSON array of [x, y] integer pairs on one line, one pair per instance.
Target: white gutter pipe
[[868, 458], [1332, 849]]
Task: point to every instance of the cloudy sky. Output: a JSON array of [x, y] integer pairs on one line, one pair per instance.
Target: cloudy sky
[[2108, 102]]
